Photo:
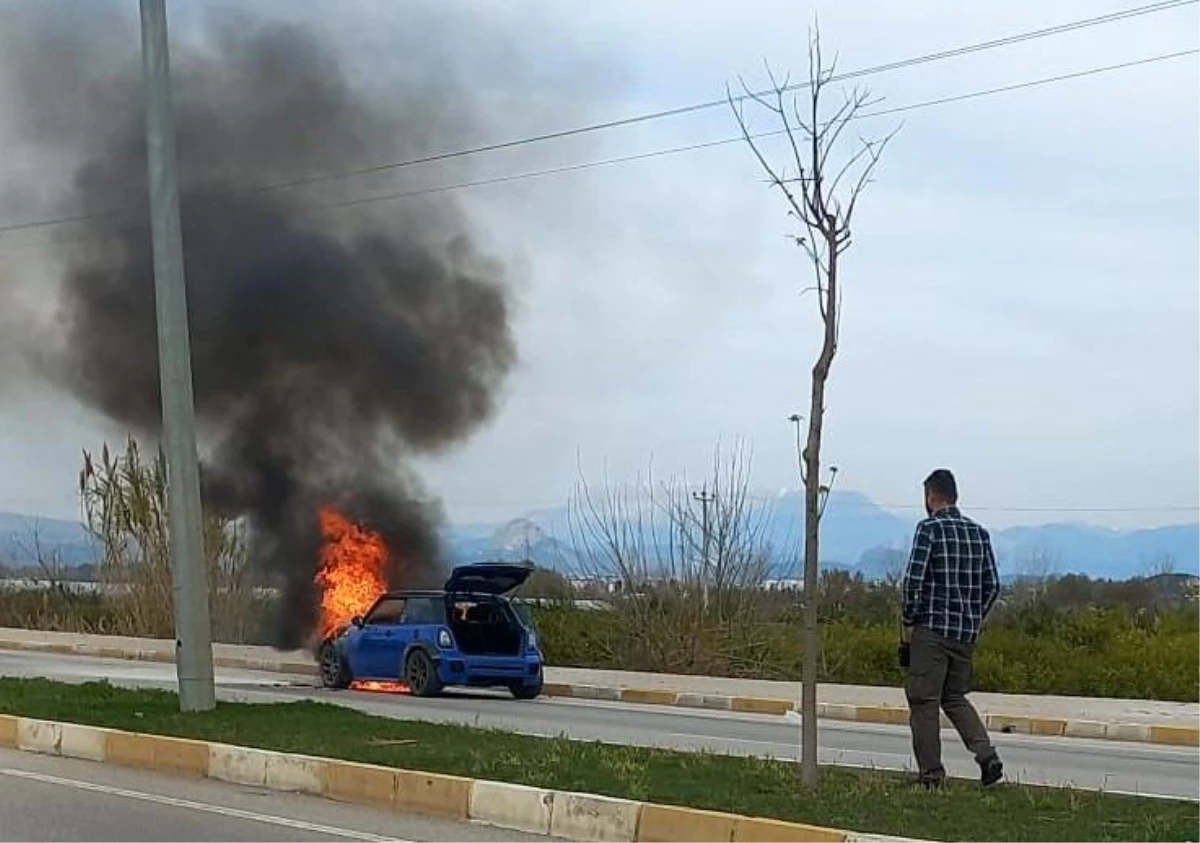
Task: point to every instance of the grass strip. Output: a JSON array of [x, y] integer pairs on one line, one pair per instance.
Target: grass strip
[[867, 801]]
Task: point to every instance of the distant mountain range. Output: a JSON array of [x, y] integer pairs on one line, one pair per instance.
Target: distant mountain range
[[857, 535], [23, 538]]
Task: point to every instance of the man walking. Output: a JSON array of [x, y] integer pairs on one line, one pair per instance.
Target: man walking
[[949, 586]]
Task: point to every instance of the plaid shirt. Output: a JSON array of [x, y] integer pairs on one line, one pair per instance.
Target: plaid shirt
[[951, 581]]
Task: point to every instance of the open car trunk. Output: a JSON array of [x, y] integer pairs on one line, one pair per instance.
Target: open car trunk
[[485, 629]]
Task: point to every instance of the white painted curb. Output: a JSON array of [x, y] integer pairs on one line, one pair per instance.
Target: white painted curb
[[512, 806], [572, 816], [583, 816]]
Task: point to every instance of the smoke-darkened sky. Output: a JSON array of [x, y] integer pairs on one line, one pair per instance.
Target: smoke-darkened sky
[[326, 351]]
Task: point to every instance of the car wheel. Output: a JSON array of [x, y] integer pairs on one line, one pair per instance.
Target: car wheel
[[335, 673], [421, 676], [525, 692]]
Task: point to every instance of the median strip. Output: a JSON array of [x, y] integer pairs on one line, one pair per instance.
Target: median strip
[[161, 652], [567, 815], [578, 790]]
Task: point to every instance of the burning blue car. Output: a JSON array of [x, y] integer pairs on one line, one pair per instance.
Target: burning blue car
[[467, 635]]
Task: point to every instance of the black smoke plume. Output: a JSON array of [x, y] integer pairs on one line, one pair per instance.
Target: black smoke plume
[[330, 344]]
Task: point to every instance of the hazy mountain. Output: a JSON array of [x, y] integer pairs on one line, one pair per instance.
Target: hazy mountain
[[852, 525], [1099, 552], [23, 537], [857, 534], [521, 538]]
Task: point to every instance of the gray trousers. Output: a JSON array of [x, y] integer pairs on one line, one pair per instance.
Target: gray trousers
[[939, 676]]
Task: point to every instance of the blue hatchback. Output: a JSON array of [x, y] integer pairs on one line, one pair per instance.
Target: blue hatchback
[[467, 635]]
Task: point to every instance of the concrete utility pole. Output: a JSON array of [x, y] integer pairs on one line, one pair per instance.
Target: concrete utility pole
[[193, 635], [705, 499]]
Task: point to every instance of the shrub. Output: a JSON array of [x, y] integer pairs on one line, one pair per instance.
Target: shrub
[[1108, 652], [125, 501]]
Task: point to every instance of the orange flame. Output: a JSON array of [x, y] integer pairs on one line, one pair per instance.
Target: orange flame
[[351, 576], [379, 686]]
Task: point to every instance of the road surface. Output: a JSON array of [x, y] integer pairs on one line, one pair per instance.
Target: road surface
[[1090, 764], [45, 798]]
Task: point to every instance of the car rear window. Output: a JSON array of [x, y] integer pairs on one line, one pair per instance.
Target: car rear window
[[476, 611], [523, 612]]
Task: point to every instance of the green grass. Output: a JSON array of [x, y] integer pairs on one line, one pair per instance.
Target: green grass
[[860, 800]]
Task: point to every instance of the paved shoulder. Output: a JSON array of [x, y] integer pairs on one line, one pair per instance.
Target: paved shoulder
[[44, 799], [1151, 712]]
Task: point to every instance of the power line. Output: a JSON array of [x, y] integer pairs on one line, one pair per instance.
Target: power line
[[1043, 509], [870, 504], [678, 111], [875, 504], [642, 156], [866, 504], [25, 226], [1071, 26], [675, 150]]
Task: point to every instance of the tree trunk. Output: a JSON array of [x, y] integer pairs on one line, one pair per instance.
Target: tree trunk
[[813, 506], [812, 639]]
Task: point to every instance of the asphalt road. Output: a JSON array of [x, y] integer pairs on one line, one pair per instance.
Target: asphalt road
[[1117, 766], [44, 798]]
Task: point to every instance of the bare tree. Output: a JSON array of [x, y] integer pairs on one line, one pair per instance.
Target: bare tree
[[1035, 566], [50, 566], [1161, 564], [894, 564], [820, 183], [667, 556]]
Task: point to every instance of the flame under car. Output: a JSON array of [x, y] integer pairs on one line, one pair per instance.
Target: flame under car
[[467, 635]]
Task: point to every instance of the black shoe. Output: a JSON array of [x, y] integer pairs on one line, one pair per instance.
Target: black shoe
[[991, 770]]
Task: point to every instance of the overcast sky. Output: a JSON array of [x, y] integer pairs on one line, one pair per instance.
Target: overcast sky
[[1022, 297]]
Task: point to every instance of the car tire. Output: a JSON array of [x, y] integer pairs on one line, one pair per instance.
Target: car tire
[[335, 673], [420, 674], [525, 692]]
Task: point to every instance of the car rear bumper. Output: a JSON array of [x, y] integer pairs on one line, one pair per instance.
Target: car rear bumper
[[484, 671]]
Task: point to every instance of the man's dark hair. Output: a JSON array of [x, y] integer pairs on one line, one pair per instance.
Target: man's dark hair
[[941, 483]]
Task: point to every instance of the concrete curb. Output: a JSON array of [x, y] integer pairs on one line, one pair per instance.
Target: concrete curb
[[572, 816], [1020, 724]]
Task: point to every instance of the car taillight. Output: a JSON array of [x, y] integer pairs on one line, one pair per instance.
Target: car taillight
[[532, 640], [444, 639]]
